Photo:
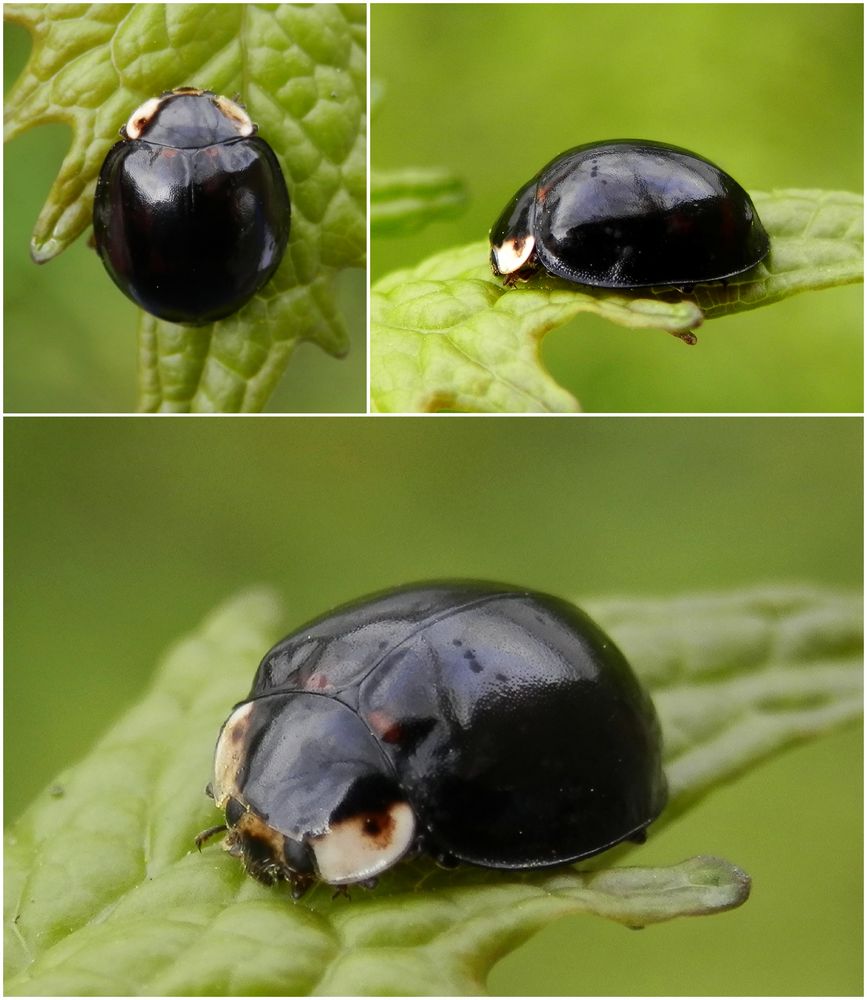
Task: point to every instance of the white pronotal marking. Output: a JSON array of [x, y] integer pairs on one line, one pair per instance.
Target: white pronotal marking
[[362, 846], [237, 114], [141, 117], [231, 746], [511, 255]]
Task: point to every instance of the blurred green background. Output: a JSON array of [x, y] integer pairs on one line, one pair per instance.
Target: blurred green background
[[773, 93], [70, 335], [122, 534]]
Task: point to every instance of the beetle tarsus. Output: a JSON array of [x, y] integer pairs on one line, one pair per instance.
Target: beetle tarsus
[[687, 336]]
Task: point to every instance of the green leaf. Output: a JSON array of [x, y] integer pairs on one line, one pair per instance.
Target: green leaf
[[301, 71], [234, 365], [447, 335], [404, 201], [735, 677]]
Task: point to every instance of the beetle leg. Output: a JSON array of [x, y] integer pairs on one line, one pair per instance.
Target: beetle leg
[[687, 336], [206, 835]]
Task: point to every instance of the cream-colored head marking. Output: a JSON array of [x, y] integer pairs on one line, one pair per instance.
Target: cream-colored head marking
[[229, 755], [237, 114], [362, 846], [141, 117], [511, 255]]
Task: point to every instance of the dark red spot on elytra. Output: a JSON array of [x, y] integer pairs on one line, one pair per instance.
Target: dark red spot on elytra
[[386, 727]]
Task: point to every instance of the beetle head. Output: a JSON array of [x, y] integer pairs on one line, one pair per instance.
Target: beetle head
[[308, 793], [512, 241], [188, 116]]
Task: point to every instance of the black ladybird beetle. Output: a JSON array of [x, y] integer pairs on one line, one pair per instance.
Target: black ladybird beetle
[[474, 722], [629, 213], [191, 213]]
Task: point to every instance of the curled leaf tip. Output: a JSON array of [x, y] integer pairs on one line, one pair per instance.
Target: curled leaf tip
[[43, 252]]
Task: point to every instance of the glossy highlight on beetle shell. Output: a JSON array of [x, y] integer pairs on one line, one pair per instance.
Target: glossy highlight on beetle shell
[[629, 213], [191, 213], [474, 722]]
